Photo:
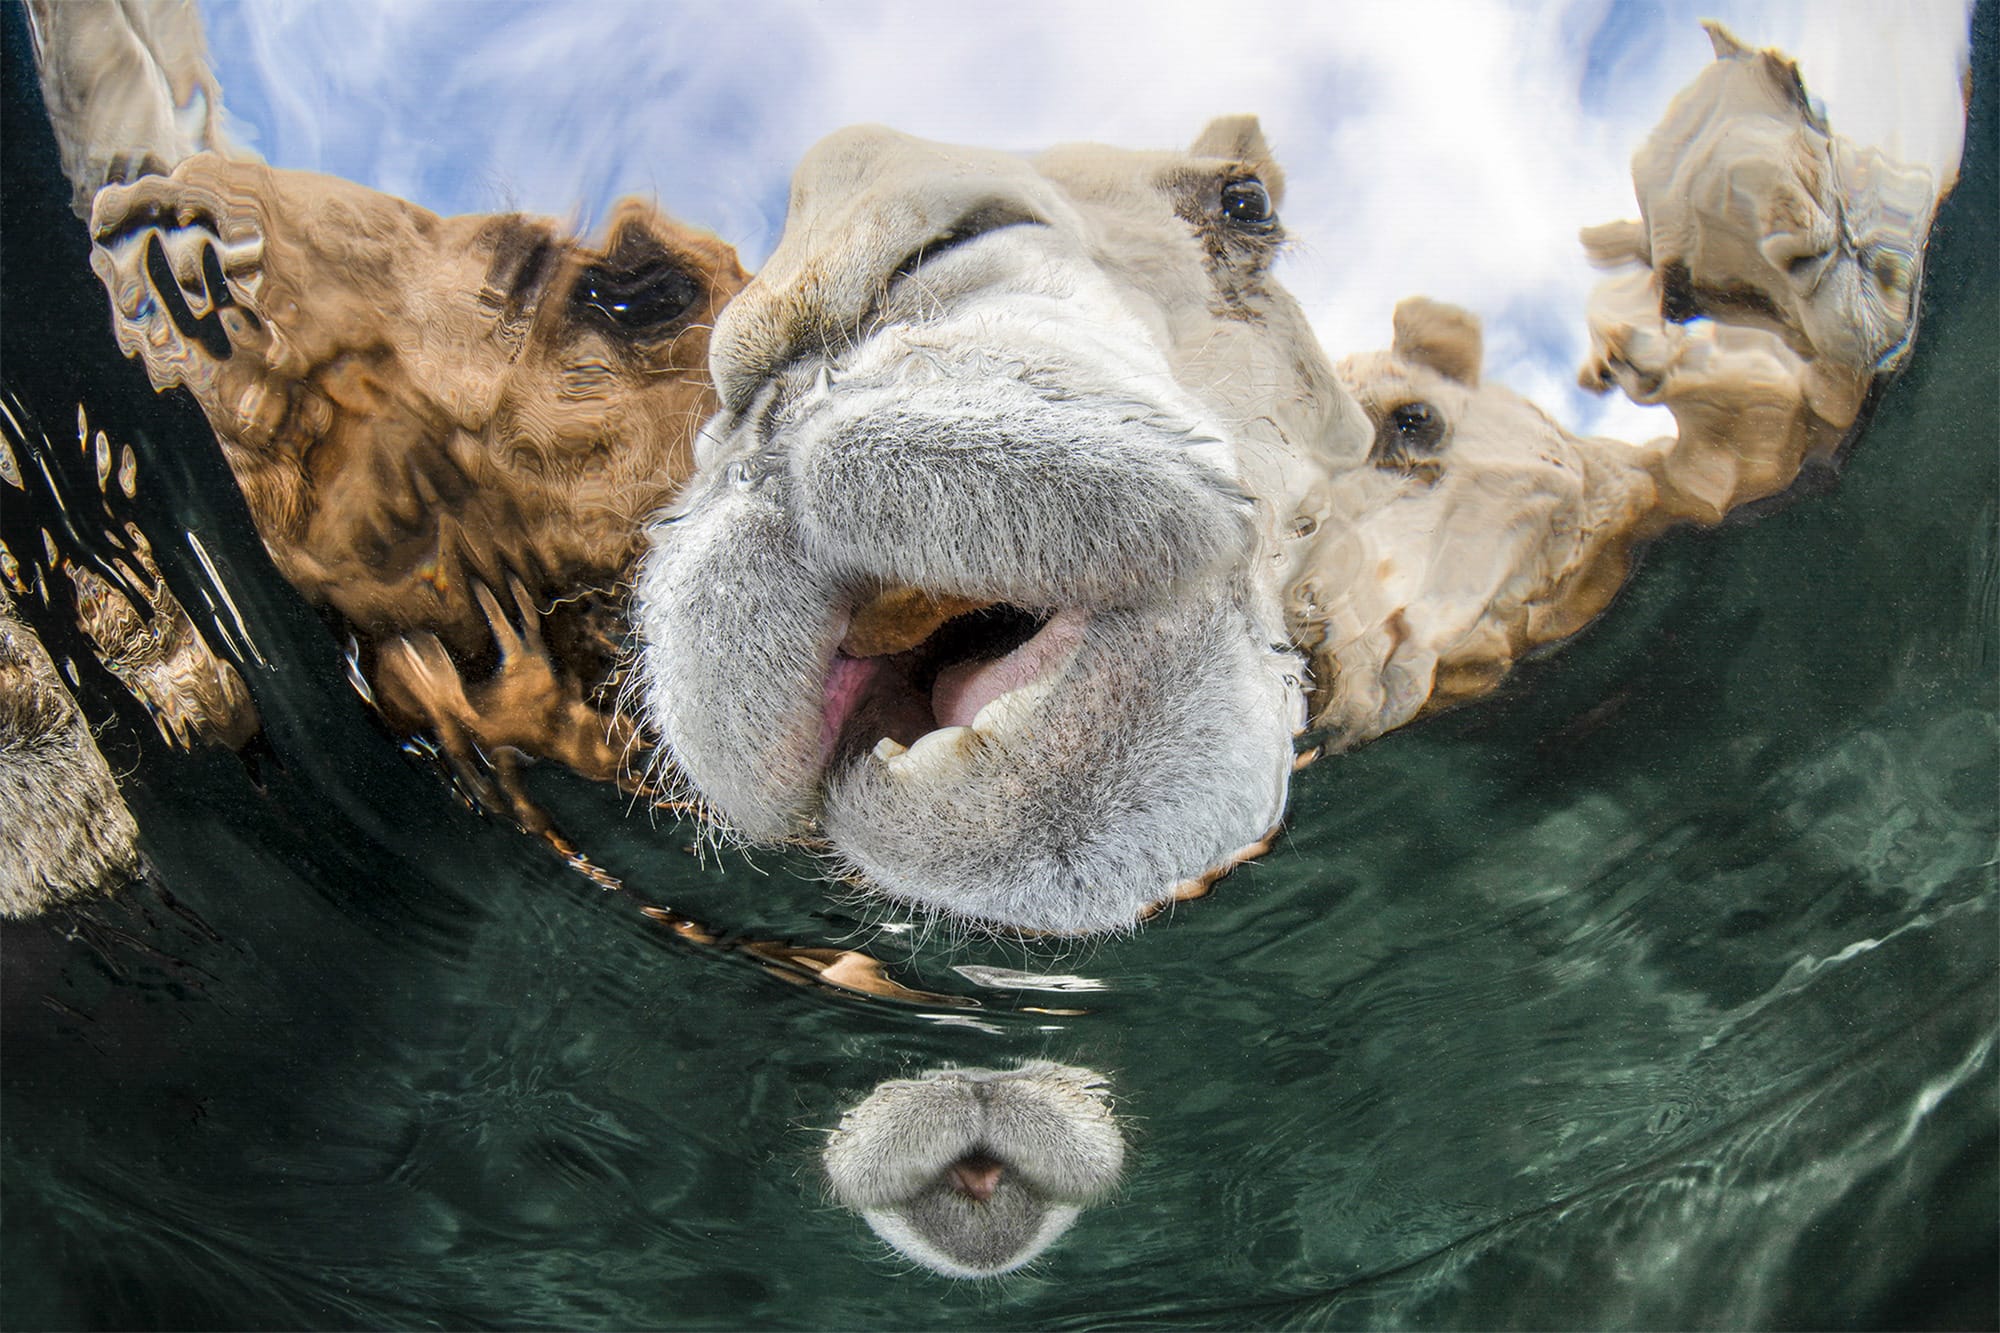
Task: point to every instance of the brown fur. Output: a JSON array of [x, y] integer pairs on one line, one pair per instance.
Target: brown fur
[[64, 829], [449, 431]]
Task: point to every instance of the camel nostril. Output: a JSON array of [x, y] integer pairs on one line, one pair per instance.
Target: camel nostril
[[991, 216]]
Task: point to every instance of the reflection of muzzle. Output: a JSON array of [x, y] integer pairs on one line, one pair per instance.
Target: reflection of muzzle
[[973, 1172]]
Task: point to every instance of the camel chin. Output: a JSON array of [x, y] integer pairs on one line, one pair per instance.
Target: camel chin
[[970, 581]]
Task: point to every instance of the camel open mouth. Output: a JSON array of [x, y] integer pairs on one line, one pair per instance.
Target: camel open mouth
[[1020, 758], [921, 676]]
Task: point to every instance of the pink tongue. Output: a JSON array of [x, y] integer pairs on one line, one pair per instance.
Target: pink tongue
[[962, 690], [847, 680]]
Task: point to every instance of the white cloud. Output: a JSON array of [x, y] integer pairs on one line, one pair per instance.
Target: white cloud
[[1449, 147]]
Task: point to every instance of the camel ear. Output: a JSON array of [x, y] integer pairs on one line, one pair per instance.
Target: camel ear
[[1779, 71], [1241, 139], [1724, 42], [1615, 244], [1443, 337]]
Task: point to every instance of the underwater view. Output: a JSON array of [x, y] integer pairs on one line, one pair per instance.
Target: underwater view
[[526, 939]]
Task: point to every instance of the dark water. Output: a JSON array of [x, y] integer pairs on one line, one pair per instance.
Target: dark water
[[1659, 992]]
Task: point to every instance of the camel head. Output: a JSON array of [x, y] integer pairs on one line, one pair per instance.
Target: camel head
[[1755, 211], [978, 579], [447, 430], [415, 406], [1480, 530]]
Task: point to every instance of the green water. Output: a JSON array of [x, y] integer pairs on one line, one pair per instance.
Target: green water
[[1658, 992]]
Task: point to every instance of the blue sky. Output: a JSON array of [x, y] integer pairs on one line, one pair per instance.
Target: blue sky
[[1448, 147]]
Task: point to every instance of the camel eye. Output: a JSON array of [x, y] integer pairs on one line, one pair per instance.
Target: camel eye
[[634, 298], [1247, 203], [1417, 427]]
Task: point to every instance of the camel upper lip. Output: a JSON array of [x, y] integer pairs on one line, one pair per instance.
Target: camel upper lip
[[974, 669]]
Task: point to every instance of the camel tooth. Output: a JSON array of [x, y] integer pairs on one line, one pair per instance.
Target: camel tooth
[[315, 414], [1009, 710], [239, 253], [426, 489], [259, 412], [935, 752]]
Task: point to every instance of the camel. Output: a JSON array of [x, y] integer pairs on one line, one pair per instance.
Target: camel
[[128, 88], [447, 430], [1489, 530], [1769, 285], [1773, 272], [66, 827], [970, 579]]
